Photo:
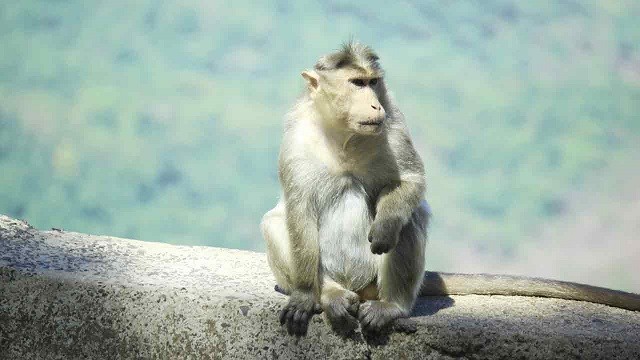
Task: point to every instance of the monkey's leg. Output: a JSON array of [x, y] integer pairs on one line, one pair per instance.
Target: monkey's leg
[[274, 231], [340, 306], [276, 234], [400, 275]]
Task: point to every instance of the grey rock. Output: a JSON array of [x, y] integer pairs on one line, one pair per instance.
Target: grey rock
[[66, 295]]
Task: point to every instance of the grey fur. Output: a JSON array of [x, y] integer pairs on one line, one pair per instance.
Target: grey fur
[[351, 54]]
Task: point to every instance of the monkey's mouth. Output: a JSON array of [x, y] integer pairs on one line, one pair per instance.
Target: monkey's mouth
[[373, 123]]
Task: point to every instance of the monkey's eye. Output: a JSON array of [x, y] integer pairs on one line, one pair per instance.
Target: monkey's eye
[[373, 82], [358, 82]]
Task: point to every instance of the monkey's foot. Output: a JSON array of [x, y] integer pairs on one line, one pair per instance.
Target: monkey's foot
[[341, 311], [377, 315], [297, 313]]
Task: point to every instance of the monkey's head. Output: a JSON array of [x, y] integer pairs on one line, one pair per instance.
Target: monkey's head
[[347, 89]]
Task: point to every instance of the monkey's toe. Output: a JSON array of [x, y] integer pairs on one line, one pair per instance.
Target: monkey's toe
[[296, 314], [341, 321], [341, 313], [344, 325], [301, 323], [296, 321]]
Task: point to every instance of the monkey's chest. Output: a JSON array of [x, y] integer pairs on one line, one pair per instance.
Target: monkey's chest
[[344, 248]]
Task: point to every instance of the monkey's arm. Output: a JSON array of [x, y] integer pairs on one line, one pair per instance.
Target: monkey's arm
[[399, 199]]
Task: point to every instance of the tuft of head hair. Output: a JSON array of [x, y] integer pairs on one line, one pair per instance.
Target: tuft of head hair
[[351, 55]]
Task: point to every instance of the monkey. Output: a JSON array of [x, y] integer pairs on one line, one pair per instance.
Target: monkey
[[348, 236]]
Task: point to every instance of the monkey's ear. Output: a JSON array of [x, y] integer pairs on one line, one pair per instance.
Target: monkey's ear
[[312, 78]]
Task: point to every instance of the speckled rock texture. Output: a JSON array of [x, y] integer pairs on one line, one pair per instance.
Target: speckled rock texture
[[67, 295]]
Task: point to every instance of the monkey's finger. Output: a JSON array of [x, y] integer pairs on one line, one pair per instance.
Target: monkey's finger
[[367, 319], [305, 316], [290, 329], [300, 325], [361, 317], [297, 316], [302, 330], [289, 321], [283, 316], [353, 308], [361, 312], [366, 325], [338, 312], [375, 248], [372, 326], [304, 323], [352, 322], [376, 324]]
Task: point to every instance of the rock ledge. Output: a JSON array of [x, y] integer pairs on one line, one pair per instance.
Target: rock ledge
[[67, 295]]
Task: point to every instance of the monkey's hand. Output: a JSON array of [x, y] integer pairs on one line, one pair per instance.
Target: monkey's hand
[[384, 235], [297, 313]]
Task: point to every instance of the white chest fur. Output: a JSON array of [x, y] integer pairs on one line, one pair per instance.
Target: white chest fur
[[339, 153], [344, 247]]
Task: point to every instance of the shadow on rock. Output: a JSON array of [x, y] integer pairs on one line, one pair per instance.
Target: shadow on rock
[[430, 305]]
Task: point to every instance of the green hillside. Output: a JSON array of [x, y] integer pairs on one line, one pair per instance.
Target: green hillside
[[161, 120]]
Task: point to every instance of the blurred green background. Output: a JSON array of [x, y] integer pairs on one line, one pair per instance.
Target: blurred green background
[[161, 121]]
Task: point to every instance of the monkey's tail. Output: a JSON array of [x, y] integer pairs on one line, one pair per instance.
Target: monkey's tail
[[442, 284]]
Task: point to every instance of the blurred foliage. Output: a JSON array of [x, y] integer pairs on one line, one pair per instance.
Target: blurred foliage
[[161, 120]]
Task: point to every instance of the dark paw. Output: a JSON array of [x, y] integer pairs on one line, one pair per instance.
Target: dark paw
[[341, 313], [296, 314], [376, 316], [381, 247], [384, 235]]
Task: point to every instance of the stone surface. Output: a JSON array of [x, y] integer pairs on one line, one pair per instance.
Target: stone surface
[[67, 295]]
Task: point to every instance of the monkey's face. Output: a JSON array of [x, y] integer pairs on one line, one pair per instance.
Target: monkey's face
[[366, 115], [349, 100]]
